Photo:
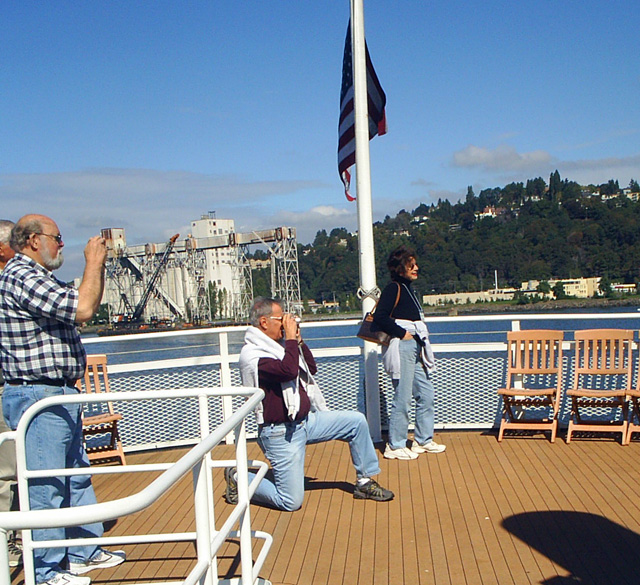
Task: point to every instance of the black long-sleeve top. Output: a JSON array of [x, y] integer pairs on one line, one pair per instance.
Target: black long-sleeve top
[[407, 307]]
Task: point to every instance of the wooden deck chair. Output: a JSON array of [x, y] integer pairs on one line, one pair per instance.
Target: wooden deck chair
[[603, 370], [105, 422], [531, 398], [634, 411]]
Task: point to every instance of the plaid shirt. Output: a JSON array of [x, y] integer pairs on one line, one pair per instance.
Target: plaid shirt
[[38, 336]]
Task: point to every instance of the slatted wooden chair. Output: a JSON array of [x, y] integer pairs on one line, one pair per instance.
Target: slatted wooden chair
[[100, 430], [634, 410], [602, 381], [531, 398]]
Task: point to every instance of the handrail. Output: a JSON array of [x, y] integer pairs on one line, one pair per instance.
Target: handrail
[[355, 321], [31, 519]]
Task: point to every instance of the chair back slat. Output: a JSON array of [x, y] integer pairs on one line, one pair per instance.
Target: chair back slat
[[534, 352], [603, 352]]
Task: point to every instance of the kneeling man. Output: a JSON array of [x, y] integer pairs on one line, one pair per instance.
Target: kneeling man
[[276, 359]]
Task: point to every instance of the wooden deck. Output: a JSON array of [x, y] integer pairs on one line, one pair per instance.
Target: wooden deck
[[517, 512]]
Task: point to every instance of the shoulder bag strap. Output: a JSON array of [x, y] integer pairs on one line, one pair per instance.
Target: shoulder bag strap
[[397, 300], [394, 304]]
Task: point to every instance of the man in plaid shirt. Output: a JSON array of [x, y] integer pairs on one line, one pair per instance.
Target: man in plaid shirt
[[41, 355]]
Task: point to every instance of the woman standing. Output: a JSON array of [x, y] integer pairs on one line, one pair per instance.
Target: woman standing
[[408, 359]]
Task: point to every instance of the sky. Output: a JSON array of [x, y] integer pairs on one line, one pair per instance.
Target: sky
[[144, 115]]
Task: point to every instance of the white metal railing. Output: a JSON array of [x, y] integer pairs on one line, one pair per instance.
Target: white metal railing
[[198, 460], [471, 366]]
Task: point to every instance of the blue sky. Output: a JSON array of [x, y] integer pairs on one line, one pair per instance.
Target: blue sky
[[144, 115]]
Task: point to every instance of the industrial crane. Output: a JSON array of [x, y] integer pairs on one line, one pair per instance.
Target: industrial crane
[[136, 314], [139, 310]]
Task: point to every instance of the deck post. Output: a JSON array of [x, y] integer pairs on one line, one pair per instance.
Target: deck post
[[202, 484], [5, 572]]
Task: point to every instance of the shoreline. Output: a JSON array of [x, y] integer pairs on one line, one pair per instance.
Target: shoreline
[[476, 309], [540, 307]]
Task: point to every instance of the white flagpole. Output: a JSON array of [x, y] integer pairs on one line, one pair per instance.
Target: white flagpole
[[368, 285]]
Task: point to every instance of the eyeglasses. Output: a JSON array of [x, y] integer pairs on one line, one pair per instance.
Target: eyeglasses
[[57, 238], [295, 318]]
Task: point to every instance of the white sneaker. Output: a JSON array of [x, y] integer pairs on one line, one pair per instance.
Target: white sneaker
[[403, 453], [430, 447], [67, 579], [103, 560]]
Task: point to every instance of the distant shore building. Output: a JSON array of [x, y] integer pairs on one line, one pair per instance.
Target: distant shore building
[[581, 288], [463, 298]]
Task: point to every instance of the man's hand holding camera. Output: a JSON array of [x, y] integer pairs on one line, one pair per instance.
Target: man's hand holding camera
[[291, 326]]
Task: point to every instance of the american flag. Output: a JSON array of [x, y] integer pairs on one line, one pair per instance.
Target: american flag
[[346, 128]]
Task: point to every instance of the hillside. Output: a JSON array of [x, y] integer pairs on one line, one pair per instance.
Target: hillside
[[523, 231]]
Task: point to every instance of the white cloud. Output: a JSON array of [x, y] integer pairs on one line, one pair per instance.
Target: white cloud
[[625, 162], [307, 223], [150, 205], [422, 184], [501, 159], [504, 164]]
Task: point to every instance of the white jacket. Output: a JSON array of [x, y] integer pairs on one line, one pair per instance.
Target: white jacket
[[391, 353]]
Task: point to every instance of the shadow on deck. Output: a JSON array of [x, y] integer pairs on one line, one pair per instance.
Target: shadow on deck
[[524, 511]]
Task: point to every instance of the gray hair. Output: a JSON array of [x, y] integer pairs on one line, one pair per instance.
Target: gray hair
[[6, 226], [21, 232], [262, 307]]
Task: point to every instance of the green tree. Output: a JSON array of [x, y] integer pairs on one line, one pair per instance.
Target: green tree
[[555, 186], [213, 299], [605, 287], [101, 317], [610, 188], [544, 287], [558, 290], [535, 188], [261, 282]]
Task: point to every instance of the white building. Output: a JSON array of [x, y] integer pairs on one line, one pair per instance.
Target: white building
[[220, 262], [462, 298], [581, 288]]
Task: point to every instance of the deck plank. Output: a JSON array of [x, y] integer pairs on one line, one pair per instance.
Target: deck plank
[[523, 511]]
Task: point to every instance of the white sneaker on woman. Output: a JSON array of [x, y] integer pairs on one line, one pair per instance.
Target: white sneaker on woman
[[403, 453], [430, 447]]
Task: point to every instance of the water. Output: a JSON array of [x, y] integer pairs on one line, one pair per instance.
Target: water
[[448, 330]]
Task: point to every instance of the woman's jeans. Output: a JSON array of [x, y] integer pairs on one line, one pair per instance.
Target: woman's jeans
[[285, 446], [414, 381], [54, 441]]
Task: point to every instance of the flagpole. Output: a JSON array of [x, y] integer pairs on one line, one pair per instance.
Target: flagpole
[[368, 288]]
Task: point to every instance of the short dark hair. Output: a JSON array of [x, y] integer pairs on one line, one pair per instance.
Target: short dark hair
[[22, 231], [398, 260], [262, 307]]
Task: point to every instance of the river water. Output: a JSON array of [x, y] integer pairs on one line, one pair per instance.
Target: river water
[[447, 330]]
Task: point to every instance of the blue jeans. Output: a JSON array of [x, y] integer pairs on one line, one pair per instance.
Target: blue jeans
[[54, 441], [8, 487], [414, 381], [285, 444]]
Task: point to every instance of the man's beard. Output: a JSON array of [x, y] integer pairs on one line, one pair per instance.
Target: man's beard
[[51, 263]]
